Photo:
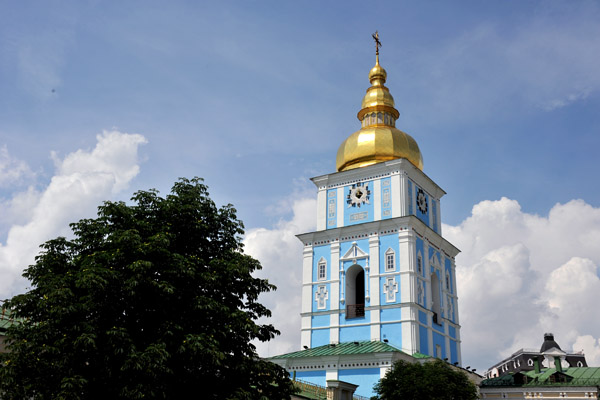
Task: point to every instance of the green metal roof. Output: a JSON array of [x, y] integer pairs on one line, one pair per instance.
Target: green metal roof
[[580, 376], [344, 348], [5, 320], [420, 355]]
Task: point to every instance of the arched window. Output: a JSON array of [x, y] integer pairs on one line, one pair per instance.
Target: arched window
[[447, 281], [380, 118], [419, 263], [390, 260], [435, 298], [355, 292], [322, 270]]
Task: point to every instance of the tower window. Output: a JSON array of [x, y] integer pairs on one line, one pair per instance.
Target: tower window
[[322, 273], [419, 263], [390, 260], [447, 281]]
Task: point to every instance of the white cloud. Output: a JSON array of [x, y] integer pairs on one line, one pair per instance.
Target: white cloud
[[13, 171], [519, 276], [82, 180], [280, 254]]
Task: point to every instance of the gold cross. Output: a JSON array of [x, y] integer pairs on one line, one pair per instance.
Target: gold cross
[[377, 42]]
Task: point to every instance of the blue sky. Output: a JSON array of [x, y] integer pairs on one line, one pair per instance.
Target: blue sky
[[256, 97]]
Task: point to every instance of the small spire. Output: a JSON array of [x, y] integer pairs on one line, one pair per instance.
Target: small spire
[[377, 46]]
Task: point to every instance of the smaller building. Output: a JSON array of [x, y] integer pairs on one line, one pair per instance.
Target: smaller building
[[555, 383], [5, 321], [548, 373], [524, 359]]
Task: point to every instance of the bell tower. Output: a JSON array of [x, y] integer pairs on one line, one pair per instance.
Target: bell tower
[[378, 268], [378, 278]]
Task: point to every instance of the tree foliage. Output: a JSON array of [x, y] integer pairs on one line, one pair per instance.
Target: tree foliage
[[432, 380], [151, 300]]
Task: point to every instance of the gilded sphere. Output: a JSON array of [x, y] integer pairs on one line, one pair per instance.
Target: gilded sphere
[[377, 72], [375, 144]]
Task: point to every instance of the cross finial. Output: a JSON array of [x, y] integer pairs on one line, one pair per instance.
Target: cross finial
[[377, 42]]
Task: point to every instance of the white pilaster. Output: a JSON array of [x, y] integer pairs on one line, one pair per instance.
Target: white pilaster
[[398, 194], [406, 244], [430, 200], [377, 199], [322, 209], [375, 324], [374, 270], [439, 218], [307, 269], [402, 200], [334, 270], [341, 202], [334, 328]]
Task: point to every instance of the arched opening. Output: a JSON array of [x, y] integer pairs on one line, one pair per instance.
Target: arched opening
[[435, 298], [355, 292]]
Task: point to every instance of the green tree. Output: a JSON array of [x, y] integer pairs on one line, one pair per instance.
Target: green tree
[[432, 380], [153, 300]]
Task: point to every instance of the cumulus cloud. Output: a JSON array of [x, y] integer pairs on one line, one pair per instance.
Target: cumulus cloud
[[519, 275], [82, 180], [280, 254]]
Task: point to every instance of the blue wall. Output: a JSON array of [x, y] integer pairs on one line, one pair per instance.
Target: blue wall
[[423, 216], [319, 321], [453, 352], [319, 252], [386, 198], [365, 378], [316, 377], [390, 314], [355, 333], [423, 341], [388, 242], [331, 208], [319, 337], [439, 339], [393, 333]]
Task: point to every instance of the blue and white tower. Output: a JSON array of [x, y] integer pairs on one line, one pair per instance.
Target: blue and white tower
[[378, 278]]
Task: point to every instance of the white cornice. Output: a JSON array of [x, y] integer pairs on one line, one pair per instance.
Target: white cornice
[[380, 170]]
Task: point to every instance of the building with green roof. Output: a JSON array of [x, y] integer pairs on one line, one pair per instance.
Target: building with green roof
[[571, 382]]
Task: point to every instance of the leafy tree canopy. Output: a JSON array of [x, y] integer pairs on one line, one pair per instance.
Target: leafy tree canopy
[[153, 300], [433, 380]]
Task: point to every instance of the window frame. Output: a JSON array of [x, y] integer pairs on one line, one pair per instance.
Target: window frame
[[390, 253]]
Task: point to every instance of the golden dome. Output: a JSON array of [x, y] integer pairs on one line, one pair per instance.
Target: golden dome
[[378, 140]]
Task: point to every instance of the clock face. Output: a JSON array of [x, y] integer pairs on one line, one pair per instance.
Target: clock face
[[422, 201], [358, 195]]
